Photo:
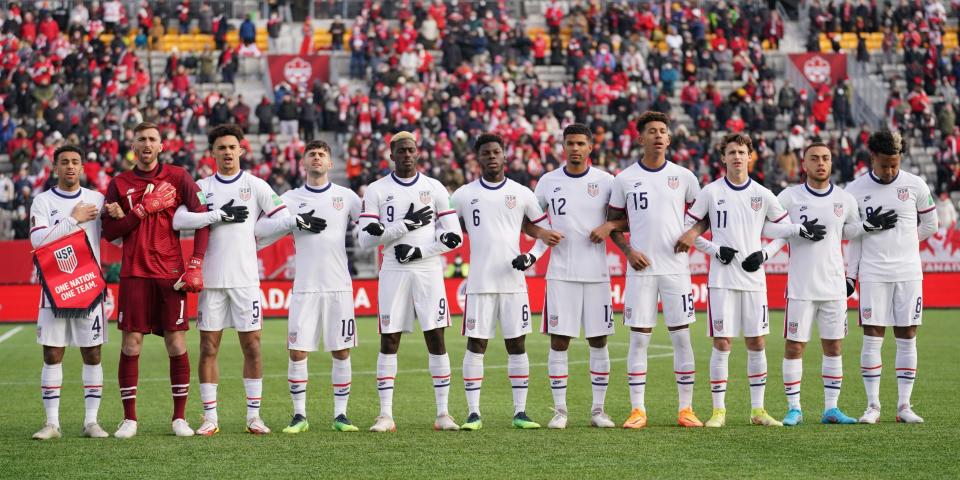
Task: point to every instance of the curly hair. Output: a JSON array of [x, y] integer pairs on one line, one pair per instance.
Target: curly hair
[[885, 142]]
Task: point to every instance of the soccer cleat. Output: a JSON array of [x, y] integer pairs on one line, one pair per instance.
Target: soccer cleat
[[473, 423], [637, 419], [342, 424], [718, 419], [181, 428], [759, 416], [559, 420], [686, 418], [794, 417], [94, 430], [208, 428], [383, 424], [871, 415], [126, 429], [599, 419], [834, 415], [256, 426], [47, 432], [523, 422], [905, 415], [298, 424], [445, 423]]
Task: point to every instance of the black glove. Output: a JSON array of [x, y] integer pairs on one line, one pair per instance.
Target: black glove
[[524, 261], [306, 221], [451, 240], [880, 221], [753, 261], [406, 253], [811, 230], [375, 228], [232, 214], [725, 255], [420, 218], [851, 286]]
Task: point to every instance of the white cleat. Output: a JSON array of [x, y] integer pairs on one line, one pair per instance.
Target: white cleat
[[871, 415], [906, 415], [445, 423], [256, 426], [208, 428], [559, 420], [181, 428], [94, 430], [48, 432], [600, 419], [127, 429], [383, 424]]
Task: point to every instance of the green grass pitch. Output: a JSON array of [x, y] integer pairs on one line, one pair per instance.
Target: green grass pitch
[[662, 450]]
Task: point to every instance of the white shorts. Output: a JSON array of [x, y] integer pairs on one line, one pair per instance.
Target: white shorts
[[314, 315], [737, 313], [481, 311], [222, 308], [570, 305], [405, 294], [891, 304], [89, 331], [830, 316], [641, 298]]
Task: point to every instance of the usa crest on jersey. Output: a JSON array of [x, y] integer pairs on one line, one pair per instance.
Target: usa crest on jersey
[[593, 189], [425, 197], [510, 200], [867, 313], [903, 194], [66, 259], [673, 182], [245, 193], [756, 203], [838, 209], [338, 203]]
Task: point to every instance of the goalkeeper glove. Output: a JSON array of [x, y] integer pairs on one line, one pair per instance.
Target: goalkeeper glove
[[233, 214], [880, 221], [725, 255], [753, 261], [811, 230], [156, 200], [306, 221], [420, 218], [406, 253], [192, 278], [524, 261]]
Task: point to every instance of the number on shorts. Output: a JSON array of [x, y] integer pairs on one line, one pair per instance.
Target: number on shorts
[[443, 307], [96, 325], [919, 306], [346, 327], [608, 314], [687, 302], [476, 218], [180, 318], [526, 314], [256, 309], [389, 213]]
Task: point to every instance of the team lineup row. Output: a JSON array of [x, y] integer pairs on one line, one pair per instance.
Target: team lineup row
[[572, 212]]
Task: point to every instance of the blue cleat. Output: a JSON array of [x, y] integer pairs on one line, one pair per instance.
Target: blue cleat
[[834, 415], [793, 418]]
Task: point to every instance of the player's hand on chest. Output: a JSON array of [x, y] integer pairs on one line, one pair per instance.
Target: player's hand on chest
[[397, 203]]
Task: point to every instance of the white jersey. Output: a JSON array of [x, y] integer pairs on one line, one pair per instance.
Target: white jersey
[[321, 260], [737, 215], [892, 255], [493, 215], [816, 270], [388, 199], [654, 201], [576, 205], [231, 259]]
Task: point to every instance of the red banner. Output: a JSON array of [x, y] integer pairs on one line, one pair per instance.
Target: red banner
[[821, 68], [299, 71], [70, 275]]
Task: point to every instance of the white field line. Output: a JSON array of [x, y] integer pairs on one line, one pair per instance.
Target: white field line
[[13, 331]]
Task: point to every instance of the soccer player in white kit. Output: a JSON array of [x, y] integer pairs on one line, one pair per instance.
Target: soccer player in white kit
[[231, 276], [578, 282], [321, 307], [493, 210], [738, 208], [398, 213], [889, 268], [653, 195], [54, 214], [816, 290]]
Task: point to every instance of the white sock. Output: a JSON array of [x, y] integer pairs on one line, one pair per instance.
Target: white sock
[[684, 368], [297, 380], [757, 376], [832, 380], [51, 379], [637, 367], [92, 391], [599, 375], [557, 369], [472, 380], [718, 377], [870, 367], [208, 395], [386, 374], [254, 389], [906, 369], [440, 371], [792, 373], [518, 369], [342, 374]]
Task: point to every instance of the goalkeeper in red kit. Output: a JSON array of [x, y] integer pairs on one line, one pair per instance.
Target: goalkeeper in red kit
[[140, 205]]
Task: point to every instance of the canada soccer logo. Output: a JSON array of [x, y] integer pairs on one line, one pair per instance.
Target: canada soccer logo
[[66, 259], [817, 70], [756, 203], [867, 313], [903, 194], [838, 209], [297, 71], [425, 197], [593, 189], [338, 203], [673, 182], [245, 193], [510, 200]]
